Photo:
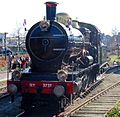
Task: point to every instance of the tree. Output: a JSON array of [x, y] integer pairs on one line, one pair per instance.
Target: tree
[[19, 33], [114, 31], [115, 40]]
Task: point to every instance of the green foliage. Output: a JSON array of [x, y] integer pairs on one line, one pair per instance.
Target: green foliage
[[2, 69], [115, 112], [113, 58]]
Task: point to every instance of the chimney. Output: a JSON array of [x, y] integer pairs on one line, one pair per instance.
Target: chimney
[[51, 10]]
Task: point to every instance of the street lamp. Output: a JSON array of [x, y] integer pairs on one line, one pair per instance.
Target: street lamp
[[118, 50], [5, 44]]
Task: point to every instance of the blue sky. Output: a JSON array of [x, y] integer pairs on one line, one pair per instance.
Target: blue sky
[[102, 13]]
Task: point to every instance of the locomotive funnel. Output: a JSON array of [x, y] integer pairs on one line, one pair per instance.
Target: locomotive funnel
[[51, 10]]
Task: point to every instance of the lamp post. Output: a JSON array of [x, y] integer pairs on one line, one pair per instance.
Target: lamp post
[[5, 44], [118, 43], [118, 50], [18, 44]]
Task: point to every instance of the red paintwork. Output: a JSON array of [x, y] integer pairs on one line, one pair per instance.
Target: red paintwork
[[47, 87], [51, 4]]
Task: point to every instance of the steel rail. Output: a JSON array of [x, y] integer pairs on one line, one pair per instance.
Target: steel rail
[[20, 114], [67, 114]]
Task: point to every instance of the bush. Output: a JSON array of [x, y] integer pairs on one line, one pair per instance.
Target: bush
[[115, 112]]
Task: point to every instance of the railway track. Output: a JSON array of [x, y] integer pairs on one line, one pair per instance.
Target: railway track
[[3, 92], [100, 100], [3, 83], [98, 105], [108, 80], [3, 89]]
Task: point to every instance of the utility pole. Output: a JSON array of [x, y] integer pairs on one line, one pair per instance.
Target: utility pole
[[18, 41], [118, 43], [5, 44], [118, 50], [18, 44]]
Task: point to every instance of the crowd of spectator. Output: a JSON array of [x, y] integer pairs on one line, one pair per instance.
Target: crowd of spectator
[[18, 61]]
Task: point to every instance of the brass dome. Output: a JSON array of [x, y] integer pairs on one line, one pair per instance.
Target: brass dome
[[63, 18]]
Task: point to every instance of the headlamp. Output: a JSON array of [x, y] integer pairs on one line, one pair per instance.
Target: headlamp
[[62, 75], [16, 75], [12, 88], [59, 90], [44, 25]]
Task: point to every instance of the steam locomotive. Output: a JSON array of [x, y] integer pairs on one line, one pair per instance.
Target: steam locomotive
[[65, 60]]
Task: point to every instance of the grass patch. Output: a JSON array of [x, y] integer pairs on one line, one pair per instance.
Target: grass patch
[[114, 58], [2, 69], [115, 112]]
